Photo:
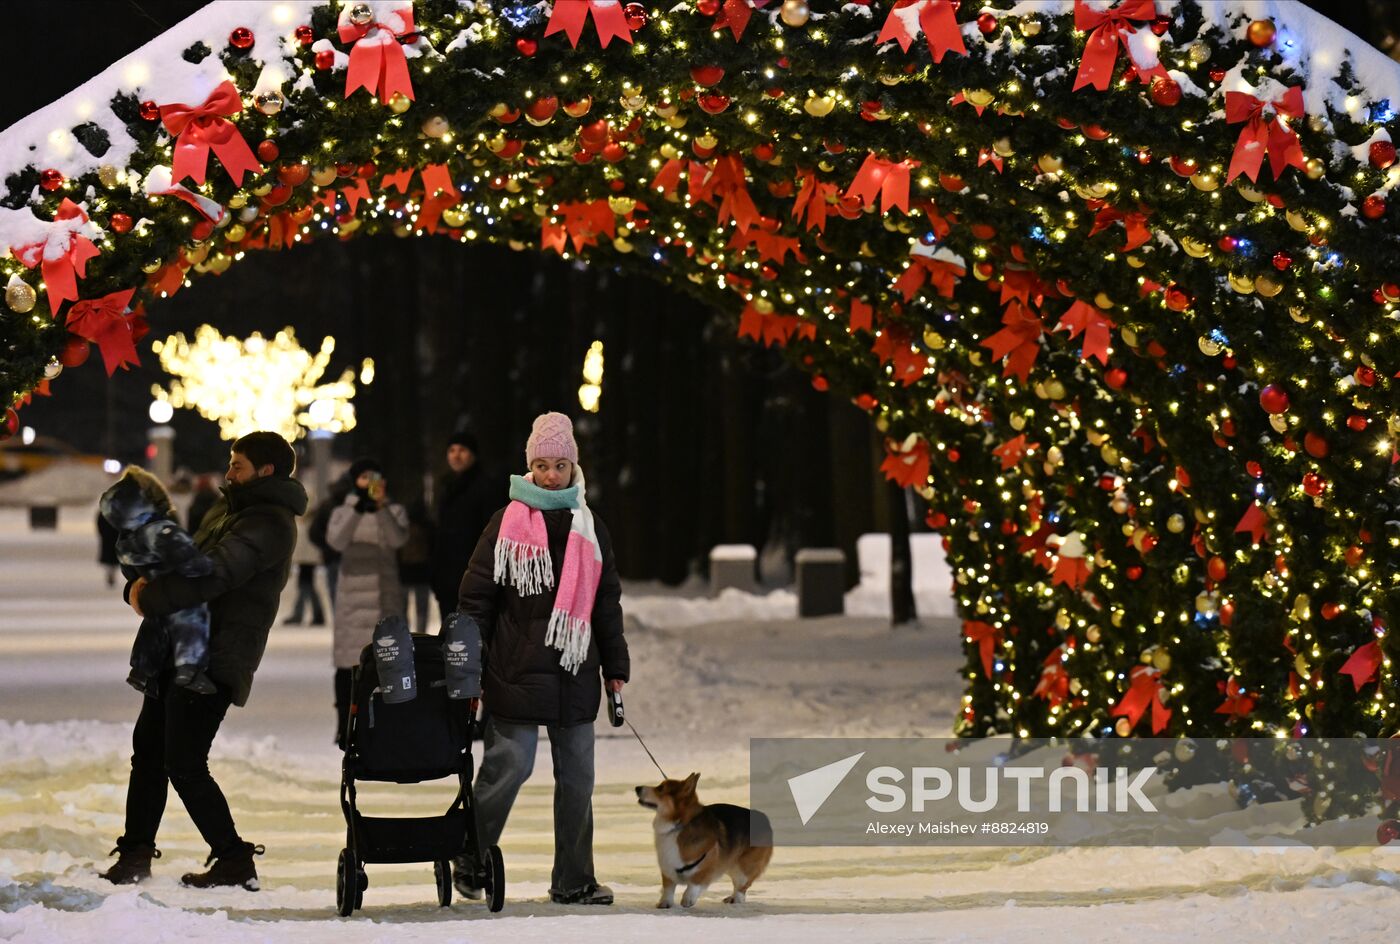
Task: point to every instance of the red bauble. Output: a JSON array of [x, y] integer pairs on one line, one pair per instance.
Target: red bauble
[[201, 231], [9, 425], [1330, 610], [594, 134], [1373, 207], [1144, 156], [268, 150], [50, 179], [304, 35], [765, 151], [1229, 362], [1177, 298], [712, 103], [526, 47], [1274, 399], [1217, 569], [1314, 484], [579, 108], [636, 15], [325, 59], [1116, 377], [1366, 376], [1354, 555], [1382, 154], [1357, 422], [1161, 24], [1096, 132], [1282, 260], [1165, 92], [366, 170], [345, 170], [1134, 572], [1228, 244], [75, 351], [1386, 831], [819, 383], [706, 75], [954, 455], [866, 402], [149, 110], [1316, 445], [987, 23], [708, 7], [542, 108], [1217, 74], [293, 175], [950, 182], [936, 520], [278, 195], [1183, 167], [120, 223], [1227, 612], [241, 38], [614, 152]]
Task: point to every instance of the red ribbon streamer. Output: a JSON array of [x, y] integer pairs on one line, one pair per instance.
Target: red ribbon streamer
[[939, 273], [909, 467], [62, 269], [888, 180], [1107, 29], [986, 637], [1083, 318], [377, 61], [103, 321], [569, 16], [1260, 136], [1363, 664], [1135, 224], [203, 128], [1238, 703], [937, 21], [811, 199], [1142, 694], [1012, 451], [1018, 341], [1054, 680]]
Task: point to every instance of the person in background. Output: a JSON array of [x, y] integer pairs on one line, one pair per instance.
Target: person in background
[[320, 519], [306, 557], [467, 496], [107, 547], [206, 496], [415, 564], [366, 529]]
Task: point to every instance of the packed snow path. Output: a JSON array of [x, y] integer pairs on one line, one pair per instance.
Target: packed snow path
[[700, 692]]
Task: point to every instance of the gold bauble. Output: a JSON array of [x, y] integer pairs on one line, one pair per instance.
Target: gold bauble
[[1093, 633], [1054, 455], [979, 98], [346, 229], [400, 103], [891, 78], [496, 144], [1279, 422], [1199, 52], [1298, 314], [1261, 32], [152, 267], [1267, 285], [795, 13], [236, 233], [1195, 248], [238, 201], [454, 216], [1209, 346], [677, 121], [198, 254], [516, 245], [269, 102], [436, 126], [1162, 660], [1122, 727], [707, 141], [1109, 454], [499, 110], [1300, 665], [933, 340], [1130, 337], [1093, 191], [1102, 300], [1248, 192], [1003, 148], [108, 176], [1030, 26], [819, 106], [763, 306], [1120, 505], [882, 424], [261, 190], [323, 176], [1242, 283], [20, 296], [1314, 168], [513, 185], [1055, 390], [622, 245], [621, 205], [669, 151], [1135, 262], [1018, 422], [1205, 181], [361, 14], [1176, 523], [1297, 221], [633, 100], [1050, 164], [666, 109]]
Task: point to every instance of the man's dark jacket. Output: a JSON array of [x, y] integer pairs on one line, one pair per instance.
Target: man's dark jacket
[[523, 681], [466, 501], [249, 534]]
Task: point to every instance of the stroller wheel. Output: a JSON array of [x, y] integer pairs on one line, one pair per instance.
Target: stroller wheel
[[347, 884], [495, 878], [442, 871]]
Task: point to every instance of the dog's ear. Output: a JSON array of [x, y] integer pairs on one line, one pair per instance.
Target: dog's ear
[[692, 780]]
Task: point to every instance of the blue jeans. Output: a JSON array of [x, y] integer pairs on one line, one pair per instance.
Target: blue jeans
[[508, 762]]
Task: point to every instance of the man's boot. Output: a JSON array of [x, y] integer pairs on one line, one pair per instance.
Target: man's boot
[[232, 869], [133, 864]]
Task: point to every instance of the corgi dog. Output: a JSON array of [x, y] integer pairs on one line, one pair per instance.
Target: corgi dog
[[696, 844]]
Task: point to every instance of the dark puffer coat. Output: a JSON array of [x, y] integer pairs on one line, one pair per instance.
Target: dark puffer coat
[[249, 535], [523, 682]]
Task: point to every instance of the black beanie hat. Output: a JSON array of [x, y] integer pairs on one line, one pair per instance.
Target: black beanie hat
[[465, 440], [360, 466]]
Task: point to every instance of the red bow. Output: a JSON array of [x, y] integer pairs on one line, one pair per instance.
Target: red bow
[[1363, 663], [1238, 703], [909, 465], [1107, 29], [939, 273], [934, 17], [1254, 522], [986, 637], [888, 180], [199, 129], [104, 322], [1260, 136], [568, 16], [62, 255], [736, 14], [725, 175], [377, 61], [1012, 451], [895, 345], [1083, 318], [811, 199], [1054, 680], [1018, 341], [1143, 692], [1135, 224]]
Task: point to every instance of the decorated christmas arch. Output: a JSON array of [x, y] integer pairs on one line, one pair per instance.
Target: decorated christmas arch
[[1118, 284]]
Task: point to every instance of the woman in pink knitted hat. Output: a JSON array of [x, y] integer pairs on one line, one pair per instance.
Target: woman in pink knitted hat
[[543, 587]]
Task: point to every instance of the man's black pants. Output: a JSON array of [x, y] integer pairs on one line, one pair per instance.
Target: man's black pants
[[170, 746]]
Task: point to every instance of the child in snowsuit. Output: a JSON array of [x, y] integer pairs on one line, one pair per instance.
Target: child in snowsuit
[[151, 544]]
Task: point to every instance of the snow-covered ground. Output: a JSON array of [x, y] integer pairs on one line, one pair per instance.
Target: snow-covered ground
[[707, 676]]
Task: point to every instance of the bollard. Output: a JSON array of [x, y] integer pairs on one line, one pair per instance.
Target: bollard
[[732, 565], [821, 581]]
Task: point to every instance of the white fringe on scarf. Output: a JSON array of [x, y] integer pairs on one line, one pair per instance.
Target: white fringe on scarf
[[526, 568], [571, 635]]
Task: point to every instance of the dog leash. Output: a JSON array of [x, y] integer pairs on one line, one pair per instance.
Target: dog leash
[[616, 717], [645, 748]]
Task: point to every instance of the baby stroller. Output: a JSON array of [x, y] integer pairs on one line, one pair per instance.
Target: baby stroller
[[426, 738]]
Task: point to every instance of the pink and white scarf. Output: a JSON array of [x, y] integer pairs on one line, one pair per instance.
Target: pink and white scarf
[[523, 562]]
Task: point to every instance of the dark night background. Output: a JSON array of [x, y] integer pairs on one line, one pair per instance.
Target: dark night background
[[700, 438]]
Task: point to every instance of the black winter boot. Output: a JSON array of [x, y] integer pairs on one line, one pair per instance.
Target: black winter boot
[[133, 864], [233, 869]]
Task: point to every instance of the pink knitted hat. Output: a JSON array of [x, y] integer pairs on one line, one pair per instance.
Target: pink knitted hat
[[551, 437]]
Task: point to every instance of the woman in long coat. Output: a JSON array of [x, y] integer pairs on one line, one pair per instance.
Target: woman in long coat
[[366, 529]]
